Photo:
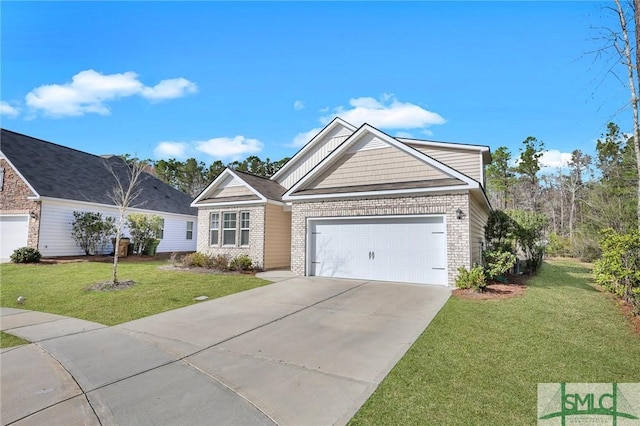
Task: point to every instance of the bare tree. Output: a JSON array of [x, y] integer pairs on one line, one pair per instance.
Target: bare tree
[[623, 46], [126, 190]]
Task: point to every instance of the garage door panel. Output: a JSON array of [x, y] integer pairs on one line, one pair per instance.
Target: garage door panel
[[14, 231], [405, 249]]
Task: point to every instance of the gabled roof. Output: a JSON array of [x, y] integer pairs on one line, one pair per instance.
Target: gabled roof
[[486, 152], [455, 180], [263, 189], [56, 171], [333, 125]]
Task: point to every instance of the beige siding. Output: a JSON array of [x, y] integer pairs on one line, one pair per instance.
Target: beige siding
[[277, 244], [478, 219], [314, 156], [231, 191], [463, 160], [376, 166]]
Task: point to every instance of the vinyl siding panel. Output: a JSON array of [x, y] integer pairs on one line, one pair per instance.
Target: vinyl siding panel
[[463, 160], [277, 247], [375, 166], [57, 216], [313, 157], [477, 221], [231, 191]]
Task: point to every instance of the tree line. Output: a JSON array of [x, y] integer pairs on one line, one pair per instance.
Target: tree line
[[192, 176]]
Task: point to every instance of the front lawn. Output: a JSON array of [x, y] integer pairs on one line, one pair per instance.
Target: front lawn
[[60, 289], [479, 362]]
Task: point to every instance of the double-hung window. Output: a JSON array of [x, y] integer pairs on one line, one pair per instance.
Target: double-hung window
[[160, 233], [189, 230], [244, 228], [214, 229], [229, 229]]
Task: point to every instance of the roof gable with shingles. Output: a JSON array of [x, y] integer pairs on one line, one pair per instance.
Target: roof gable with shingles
[[57, 171], [263, 188]]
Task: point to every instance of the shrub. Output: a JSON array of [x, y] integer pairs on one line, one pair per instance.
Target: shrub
[[618, 270], [91, 231], [474, 278], [198, 259], [25, 255], [241, 263], [143, 229], [221, 261], [497, 262]]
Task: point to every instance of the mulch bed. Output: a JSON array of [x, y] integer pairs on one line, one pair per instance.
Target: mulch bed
[[515, 287], [109, 286], [98, 258], [200, 270]]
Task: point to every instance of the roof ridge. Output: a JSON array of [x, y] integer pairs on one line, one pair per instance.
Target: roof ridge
[[251, 174], [56, 144]]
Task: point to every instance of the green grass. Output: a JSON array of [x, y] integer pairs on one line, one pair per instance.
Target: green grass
[[60, 289], [7, 340], [479, 362]]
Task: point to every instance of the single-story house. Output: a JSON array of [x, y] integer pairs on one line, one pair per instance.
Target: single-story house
[[355, 203], [42, 184]]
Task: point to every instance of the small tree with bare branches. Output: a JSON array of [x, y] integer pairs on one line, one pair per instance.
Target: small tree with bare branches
[[125, 192], [625, 42]]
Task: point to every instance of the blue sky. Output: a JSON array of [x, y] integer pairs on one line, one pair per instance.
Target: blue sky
[[215, 80]]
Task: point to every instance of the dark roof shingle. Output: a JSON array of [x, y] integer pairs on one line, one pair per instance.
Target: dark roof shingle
[[268, 188], [57, 171]]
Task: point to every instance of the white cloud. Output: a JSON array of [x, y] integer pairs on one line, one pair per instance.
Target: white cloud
[[555, 158], [403, 135], [386, 113], [176, 150], [298, 105], [304, 137], [8, 110], [89, 91], [169, 89], [232, 148]]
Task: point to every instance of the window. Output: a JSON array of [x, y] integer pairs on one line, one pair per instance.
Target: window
[[228, 229], [189, 230], [160, 234], [214, 229], [244, 228]]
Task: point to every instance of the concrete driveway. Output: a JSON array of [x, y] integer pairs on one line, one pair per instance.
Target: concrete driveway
[[301, 351]]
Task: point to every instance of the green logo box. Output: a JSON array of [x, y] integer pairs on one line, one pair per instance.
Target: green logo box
[[588, 404]]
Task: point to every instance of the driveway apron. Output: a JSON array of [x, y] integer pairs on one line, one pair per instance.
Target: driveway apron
[[301, 351]]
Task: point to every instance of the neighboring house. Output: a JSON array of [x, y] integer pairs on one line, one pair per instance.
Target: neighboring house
[[355, 203], [42, 184]]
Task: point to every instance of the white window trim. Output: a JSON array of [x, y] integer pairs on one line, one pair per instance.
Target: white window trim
[[234, 229], [189, 231], [248, 228], [216, 243]]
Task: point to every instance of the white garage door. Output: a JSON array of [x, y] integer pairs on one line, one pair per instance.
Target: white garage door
[[14, 231], [403, 249]]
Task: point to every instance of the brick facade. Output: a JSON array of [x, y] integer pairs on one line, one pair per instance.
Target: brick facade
[[457, 229], [13, 200], [255, 249]]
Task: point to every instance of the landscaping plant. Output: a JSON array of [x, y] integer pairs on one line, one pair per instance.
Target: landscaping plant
[[25, 255], [143, 229], [91, 231], [474, 278], [618, 270]]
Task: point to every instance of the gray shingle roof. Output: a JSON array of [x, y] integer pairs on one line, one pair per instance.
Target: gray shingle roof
[[267, 187], [60, 172]]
